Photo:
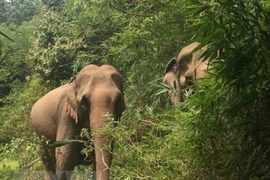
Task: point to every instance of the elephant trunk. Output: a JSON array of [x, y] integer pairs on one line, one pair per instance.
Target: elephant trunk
[[102, 145], [103, 158], [176, 94], [178, 97]]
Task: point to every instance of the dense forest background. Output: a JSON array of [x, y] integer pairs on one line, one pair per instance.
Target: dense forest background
[[222, 131]]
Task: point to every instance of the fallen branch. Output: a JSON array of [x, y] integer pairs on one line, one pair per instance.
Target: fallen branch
[[31, 163]]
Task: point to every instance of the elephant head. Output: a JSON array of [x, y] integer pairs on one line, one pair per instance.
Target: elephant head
[[184, 70], [93, 93], [171, 78]]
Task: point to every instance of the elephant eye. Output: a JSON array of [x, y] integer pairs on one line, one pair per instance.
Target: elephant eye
[[85, 103]]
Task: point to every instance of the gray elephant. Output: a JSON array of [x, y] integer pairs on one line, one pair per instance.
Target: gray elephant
[[184, 70], [85, 102]]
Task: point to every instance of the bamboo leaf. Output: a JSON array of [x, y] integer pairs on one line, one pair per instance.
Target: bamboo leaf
[[3, 34]]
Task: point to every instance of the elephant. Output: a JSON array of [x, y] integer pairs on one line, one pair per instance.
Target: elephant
[[84, 102], [186, 69]]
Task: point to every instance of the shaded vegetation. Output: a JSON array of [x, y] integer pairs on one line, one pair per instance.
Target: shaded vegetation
[[220, 132]]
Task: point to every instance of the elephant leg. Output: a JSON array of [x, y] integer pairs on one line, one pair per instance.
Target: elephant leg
[[48, 160], [66, 160]]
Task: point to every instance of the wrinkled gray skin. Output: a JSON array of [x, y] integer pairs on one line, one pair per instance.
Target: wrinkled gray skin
[[64, 111], [184, 71]]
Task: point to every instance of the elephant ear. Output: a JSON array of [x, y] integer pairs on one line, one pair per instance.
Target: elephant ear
[[70, 100], [121, 106], [171, 66]]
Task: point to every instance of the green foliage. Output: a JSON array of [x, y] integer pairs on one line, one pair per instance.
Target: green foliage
[[14, 67], [220, 132], [51, 53], [72, 36], [20, 11], [235, 127], [156, 155], [14, 155], [15, 114]]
